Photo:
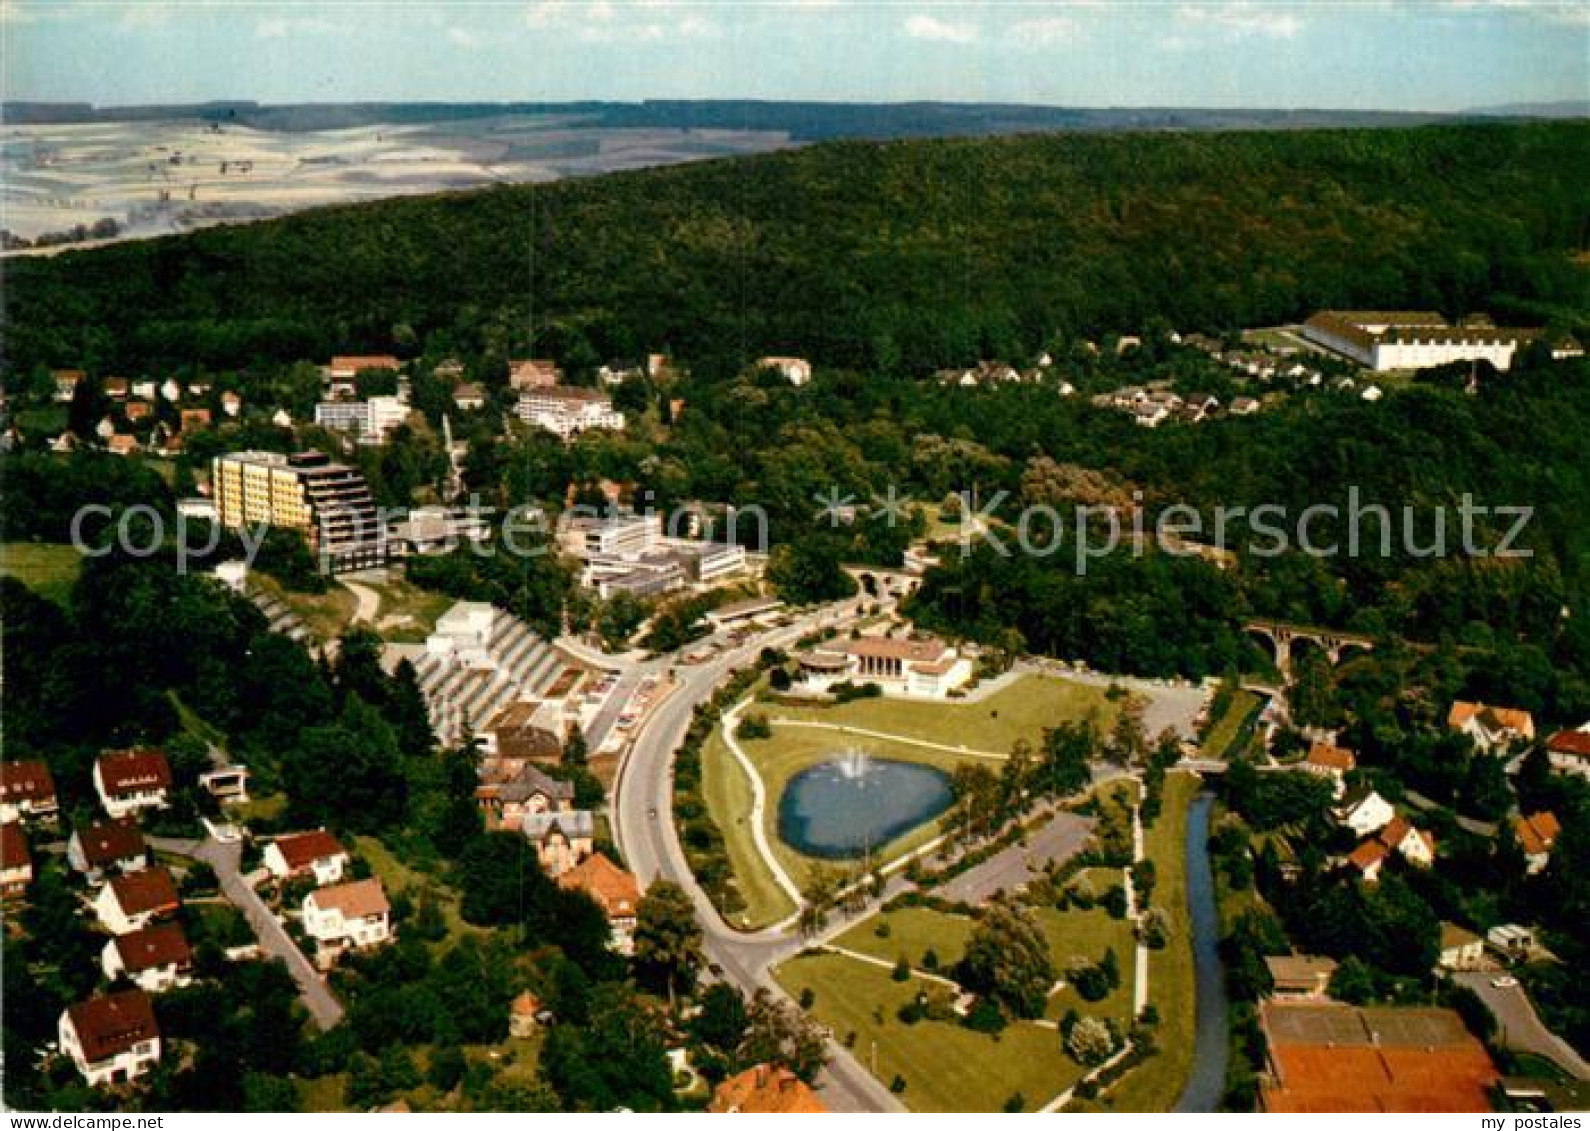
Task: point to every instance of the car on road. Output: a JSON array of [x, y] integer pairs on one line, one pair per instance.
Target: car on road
[[1505, 982]]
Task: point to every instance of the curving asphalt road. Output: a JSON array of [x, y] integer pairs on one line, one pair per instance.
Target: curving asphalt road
[[644, 827]]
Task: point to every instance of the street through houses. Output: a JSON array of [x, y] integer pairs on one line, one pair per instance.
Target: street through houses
[[273, 938]]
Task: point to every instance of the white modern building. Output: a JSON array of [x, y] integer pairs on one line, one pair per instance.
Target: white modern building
[[368, 421], [568, 410]]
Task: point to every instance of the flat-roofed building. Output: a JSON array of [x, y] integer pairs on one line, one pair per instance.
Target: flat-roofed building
[[369, 421], [328, 503], [568, 410]]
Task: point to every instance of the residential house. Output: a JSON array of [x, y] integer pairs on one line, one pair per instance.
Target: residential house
[[316, 853], [533, 373], [615, 891], [16, 866], [1460, 949], [1331, 762], [27, 792], [1493, 729], [122, 444], [116, 388], [171, 390], [194, 419], [138, 410], [1368, 858], [351, 916], [114, 844], [1536, 834], [469, 396], [231, 403], [345, 369], [111, 1039], [129, 781], [133, 901], [1306, 976], [1413, 845], [66, 382], [561, 839], [1244, 406], [796, 370], [765, 1089], [146, 389], [1398, 837], [1569, 751], [522, 1016], [154, 958], [1364, 811], [507, 801]]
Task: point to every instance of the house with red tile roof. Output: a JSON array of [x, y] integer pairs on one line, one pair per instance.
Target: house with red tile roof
[[1569, 751], [1330, 762], [1493, 729], [1399, 837], [155, 958], [131, 902], [614, 890], [111, 1039], [27, 792], [129, 781], [101, 847], [765, 1089], [16, 866], [316, 853], [1536, 834]]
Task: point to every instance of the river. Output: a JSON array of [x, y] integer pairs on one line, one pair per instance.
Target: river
[[1206, 1081]]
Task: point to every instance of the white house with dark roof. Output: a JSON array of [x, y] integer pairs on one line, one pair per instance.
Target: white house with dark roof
[[316, 853], [111, 1039], [154, 958], [129, 781]]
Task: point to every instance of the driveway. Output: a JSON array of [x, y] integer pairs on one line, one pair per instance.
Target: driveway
[[273, 939], [1519, 1026]]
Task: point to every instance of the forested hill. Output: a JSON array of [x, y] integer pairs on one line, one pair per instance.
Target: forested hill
[[889, 256]]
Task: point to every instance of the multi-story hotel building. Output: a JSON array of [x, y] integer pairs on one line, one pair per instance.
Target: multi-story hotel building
[[568, 410], [329, 503]]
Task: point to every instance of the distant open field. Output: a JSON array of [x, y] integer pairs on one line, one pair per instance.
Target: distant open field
[[155, 177]]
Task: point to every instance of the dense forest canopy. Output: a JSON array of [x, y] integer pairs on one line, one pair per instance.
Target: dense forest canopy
[[892, 257]]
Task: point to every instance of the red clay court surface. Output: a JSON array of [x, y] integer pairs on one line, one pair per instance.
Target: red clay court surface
[[1338, 1058]]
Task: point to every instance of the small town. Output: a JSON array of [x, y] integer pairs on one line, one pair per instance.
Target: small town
[[862, 606]]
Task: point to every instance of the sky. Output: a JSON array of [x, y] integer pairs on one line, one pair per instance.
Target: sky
[[1340, 54]]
